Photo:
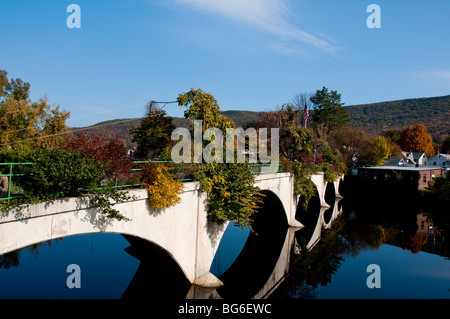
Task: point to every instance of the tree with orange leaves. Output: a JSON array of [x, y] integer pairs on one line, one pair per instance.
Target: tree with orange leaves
[[416, 139]]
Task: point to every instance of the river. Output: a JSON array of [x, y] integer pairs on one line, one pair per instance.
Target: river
[[406, 243]]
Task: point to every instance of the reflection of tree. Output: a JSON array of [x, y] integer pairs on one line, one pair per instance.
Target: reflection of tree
[[314, 268], [413, 242], [359, 236], [347, 237], [11, 259]]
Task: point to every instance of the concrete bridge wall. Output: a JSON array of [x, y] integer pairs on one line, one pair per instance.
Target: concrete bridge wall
[[182, 230]]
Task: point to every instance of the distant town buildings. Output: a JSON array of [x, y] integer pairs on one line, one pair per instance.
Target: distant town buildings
[[413, 167]]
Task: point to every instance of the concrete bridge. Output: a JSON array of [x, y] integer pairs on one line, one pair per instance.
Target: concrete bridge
[[183, 231]]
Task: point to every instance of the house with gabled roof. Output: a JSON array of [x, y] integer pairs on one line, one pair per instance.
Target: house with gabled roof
[[442, 160], [415, 158], [395, 162]]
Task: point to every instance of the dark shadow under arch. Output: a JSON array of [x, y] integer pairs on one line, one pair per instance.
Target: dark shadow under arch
[[257, 260], [158, 277], [330, 194], [327, 215], [341, 188], [308, 217]]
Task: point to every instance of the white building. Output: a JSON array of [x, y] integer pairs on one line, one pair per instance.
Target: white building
[[416, 158], [442, 160]]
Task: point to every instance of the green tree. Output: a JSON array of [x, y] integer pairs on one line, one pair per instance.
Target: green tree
[[329, 110], [232, 195], [394, 135], [445, 148], [381, 150], [203, 106], [153, 136]]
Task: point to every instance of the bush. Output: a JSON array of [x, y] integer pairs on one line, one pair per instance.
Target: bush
[[303, 185], [57, 171], [232, 195], [163, 190]]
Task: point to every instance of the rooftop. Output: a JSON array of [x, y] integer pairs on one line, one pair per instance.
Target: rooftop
[[406, 168]]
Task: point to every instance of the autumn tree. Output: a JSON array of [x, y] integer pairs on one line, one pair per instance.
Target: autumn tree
[[416, 139], [294, 139], [350, 142], [26, 125], [112, 154], [358, 149]]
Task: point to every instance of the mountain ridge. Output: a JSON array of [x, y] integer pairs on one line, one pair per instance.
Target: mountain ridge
[[373, 118]]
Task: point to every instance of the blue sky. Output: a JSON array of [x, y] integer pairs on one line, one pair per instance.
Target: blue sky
[[250, 54]]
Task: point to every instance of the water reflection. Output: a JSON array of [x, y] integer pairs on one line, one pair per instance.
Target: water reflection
[[388, 230], [158, 276], [275, 261]]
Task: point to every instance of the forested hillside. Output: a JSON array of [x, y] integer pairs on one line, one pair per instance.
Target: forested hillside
[[374, 118], [120, 128]]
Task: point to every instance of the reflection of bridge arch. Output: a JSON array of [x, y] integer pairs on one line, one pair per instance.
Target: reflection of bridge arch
[[332, 213], [158, 276], [248, 282], [315, 218], [254, 265]]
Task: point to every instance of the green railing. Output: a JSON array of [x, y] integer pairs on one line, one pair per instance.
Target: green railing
[[178, 170], [8, 179]]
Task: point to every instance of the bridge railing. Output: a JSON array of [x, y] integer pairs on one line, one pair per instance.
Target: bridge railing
[[6, 180], [183, 172]]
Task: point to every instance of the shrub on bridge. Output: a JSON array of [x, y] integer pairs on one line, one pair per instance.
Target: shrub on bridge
[[163, 189], [58, 171], [232, 195]]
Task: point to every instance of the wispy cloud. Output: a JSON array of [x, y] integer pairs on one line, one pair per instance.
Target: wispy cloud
[[274, 17], [444, 75], [437, 76], [96, 109]]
